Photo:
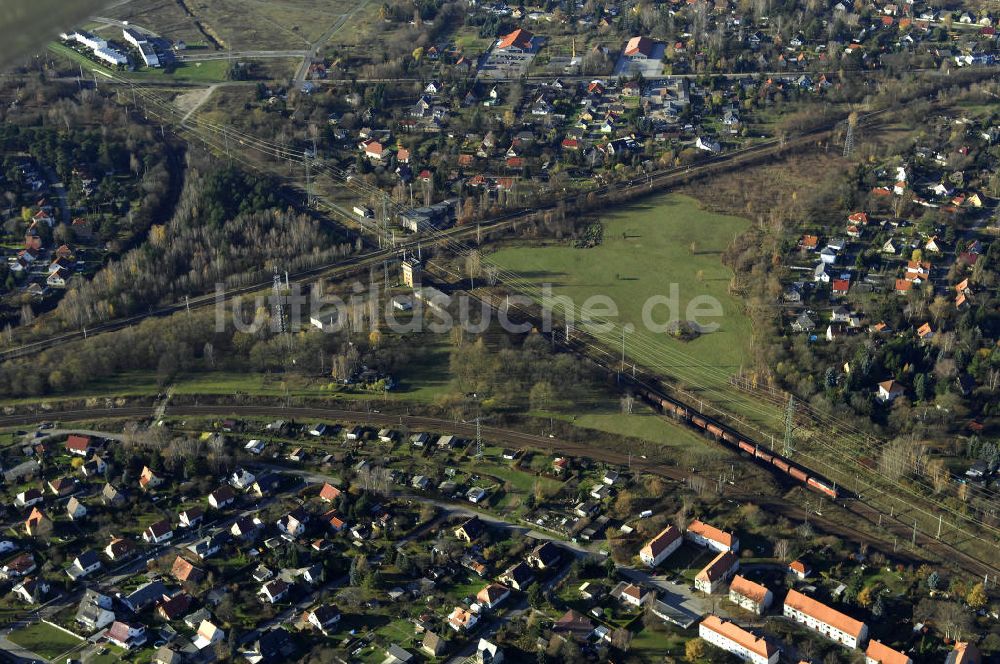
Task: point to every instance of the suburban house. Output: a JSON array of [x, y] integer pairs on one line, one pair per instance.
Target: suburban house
[[63, 486], [75, 509], [118, 548], [37, 524], [190, 518], [827, 621], [492, 595], [879, 653], [734, 639], [79, 445], [29, 498], [329, 493], [222, 497], [274, 591], [83, 565], [889, 390], [207, 635], [148, 479], [110, 495], [717, 572], [462, 620], [242, 479], [95, 610], [488, 652], [799, 569], [660, 547], [293, 524], [636, 595], [433, 644], [964, 653], [518, 576], [573, 625], [126, 635], [703, 534], [18, 566], [185, 572], [471, 530], [159, 532], [145, 596], [750, 595], [31, 590], [323, 617], [246, 527], [545, 556]]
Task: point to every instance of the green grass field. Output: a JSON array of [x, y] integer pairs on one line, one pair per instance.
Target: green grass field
[[646, 253], [212, 71], [44, 640]]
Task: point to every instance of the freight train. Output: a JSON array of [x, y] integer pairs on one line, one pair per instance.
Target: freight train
[[729, 437]]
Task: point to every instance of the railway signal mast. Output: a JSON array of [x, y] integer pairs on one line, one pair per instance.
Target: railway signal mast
[[789, 426]]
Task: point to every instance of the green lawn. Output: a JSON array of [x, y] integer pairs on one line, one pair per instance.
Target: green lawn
[[647, 253], [647, 249], [195, 72], [44, 640]]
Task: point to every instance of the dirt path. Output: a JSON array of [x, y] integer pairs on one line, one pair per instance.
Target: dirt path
[[189, 102]]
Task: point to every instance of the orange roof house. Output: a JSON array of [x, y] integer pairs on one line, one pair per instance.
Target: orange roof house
[[37, 523], [733, 638], [329, 493], [749, 594], [879, 653], [706, 535], [813, 614]]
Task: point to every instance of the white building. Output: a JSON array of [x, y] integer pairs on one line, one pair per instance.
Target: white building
[[879, 653], [110, 56], [750, 595], [717, 572], [827, 621], [703, 534], [660, 547], [734, 639]]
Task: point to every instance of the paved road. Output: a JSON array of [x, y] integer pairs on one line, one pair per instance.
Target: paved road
[[303, 69]]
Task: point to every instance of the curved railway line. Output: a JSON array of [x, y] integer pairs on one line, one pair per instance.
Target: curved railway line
[[773, 504]]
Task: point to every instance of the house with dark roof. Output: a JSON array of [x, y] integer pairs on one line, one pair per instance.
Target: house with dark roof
[[519, 576], [273, 646], [158, 532], [145, 596], [545, 556], [470, 530]]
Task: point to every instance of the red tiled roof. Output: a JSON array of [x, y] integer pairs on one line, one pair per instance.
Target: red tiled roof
[[824, 613], [738, 635], [520, 38], [880, 653], [749, 589], [712, 533], [639, 46]]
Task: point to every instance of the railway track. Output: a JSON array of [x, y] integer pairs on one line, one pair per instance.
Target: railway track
[[655, 180], [877, 520], [773, 504]]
